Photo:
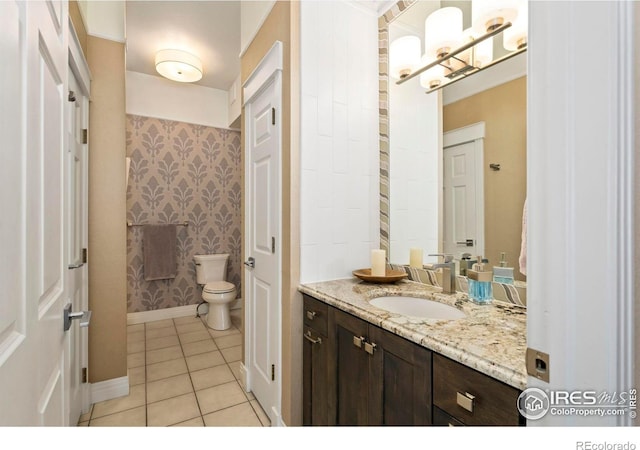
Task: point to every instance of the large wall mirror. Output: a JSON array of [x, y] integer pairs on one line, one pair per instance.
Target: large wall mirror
[[453, 161]]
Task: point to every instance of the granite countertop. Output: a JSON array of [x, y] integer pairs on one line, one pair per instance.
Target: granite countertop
[[490, 339]]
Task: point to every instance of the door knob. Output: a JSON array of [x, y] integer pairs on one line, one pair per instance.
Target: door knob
[[251, 262], [83, 316]]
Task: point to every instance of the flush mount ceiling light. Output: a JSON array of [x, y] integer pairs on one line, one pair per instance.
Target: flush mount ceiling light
[[178, 65]]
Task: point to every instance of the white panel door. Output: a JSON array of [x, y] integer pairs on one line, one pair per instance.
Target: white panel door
[[33, 227], [460, 205], [262, 219]]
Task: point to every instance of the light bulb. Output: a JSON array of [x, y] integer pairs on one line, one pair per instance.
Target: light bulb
[[404, 56], [433, 77], [515, 37], [487, 15], [442, 31]]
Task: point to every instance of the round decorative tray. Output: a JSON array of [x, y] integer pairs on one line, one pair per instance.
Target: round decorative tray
[[389, 277]]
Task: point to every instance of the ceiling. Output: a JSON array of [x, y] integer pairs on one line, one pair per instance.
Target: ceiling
[[208, 29]]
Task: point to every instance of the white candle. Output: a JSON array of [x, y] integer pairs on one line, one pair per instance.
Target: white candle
[[415, 258], [378, 263]]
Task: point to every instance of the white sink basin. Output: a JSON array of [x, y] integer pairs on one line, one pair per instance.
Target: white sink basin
[[417, 307]]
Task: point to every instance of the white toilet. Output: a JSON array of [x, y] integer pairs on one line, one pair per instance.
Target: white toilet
[[210, 273]]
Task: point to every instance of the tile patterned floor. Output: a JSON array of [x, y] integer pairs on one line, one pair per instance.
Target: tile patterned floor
[[181, 374]]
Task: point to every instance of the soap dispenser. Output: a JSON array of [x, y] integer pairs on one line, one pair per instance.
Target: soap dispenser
[[480, 289], [465, 263], [503, 274]]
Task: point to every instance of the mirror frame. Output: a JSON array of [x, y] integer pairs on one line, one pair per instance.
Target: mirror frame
[[383, 80]]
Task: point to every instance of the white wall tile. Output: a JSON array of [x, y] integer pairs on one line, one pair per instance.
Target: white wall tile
[[340, 153], [308, 132], [340, 139], [309, 41], [310, 233], [339, 64]]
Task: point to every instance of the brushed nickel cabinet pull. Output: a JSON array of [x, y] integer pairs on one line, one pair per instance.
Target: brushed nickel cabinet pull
[[358, 340], [311, 339], [465, 401], [369, 347], [311, 315]]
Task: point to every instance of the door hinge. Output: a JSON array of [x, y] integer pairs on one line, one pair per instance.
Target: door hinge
[[72, 96], [84, 256], [273, 244], [85, 375], [273, 116], [273, 372], [85, 136]]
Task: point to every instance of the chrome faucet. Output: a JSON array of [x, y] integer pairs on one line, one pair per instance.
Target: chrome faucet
[[448, 272]]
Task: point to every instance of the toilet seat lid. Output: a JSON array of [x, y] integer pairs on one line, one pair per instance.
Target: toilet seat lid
[[218, 287]]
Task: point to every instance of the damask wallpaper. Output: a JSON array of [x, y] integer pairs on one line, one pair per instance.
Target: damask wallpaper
[[182, 172]]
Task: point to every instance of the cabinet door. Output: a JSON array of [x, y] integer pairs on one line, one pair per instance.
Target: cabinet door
[[349, 369], [315, 380], [400, 383]]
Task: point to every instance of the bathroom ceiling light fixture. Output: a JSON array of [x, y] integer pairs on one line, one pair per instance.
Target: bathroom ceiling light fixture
[[178, 65], [463, 53]]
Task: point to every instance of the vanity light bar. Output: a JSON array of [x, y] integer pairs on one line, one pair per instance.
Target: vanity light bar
[[478, 69], [460, 49]]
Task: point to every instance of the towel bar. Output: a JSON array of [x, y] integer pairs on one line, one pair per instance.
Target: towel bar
[[182, 224]]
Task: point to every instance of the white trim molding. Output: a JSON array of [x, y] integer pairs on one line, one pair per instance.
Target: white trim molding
[[109, 389], [464, 134], [271, 63], [162, 314], [580, 194], [78, 63]]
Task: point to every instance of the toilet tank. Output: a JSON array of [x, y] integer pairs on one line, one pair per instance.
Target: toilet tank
[[211, 267]]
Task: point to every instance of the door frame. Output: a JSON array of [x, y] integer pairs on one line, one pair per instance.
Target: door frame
[[580, 187], [79, 68], [474, 133], [269, 69]]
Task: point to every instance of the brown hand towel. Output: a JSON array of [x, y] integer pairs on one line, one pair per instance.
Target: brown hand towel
[[159, 245]]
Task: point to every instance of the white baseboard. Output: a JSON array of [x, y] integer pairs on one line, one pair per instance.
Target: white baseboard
[[172, 313], [279, 421], [243, 376], [162, 314], [109, 389]]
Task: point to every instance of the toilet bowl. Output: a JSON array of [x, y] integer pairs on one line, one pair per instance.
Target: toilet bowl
[[210, 274]]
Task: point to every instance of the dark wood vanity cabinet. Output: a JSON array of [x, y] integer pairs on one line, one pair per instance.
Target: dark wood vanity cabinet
[[462, 395], [371, 377], [356, 373], [400, 391], [315, 356]]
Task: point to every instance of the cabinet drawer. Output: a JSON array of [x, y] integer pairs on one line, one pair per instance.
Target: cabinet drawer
[[442, 419], [471, 397], [315, 314]]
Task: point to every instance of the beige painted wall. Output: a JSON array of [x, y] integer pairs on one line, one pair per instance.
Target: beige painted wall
[[78, 24], [282, 25], [504, 111], [107, 212]]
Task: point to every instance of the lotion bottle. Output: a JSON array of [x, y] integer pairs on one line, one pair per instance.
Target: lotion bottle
[[503, 274]]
